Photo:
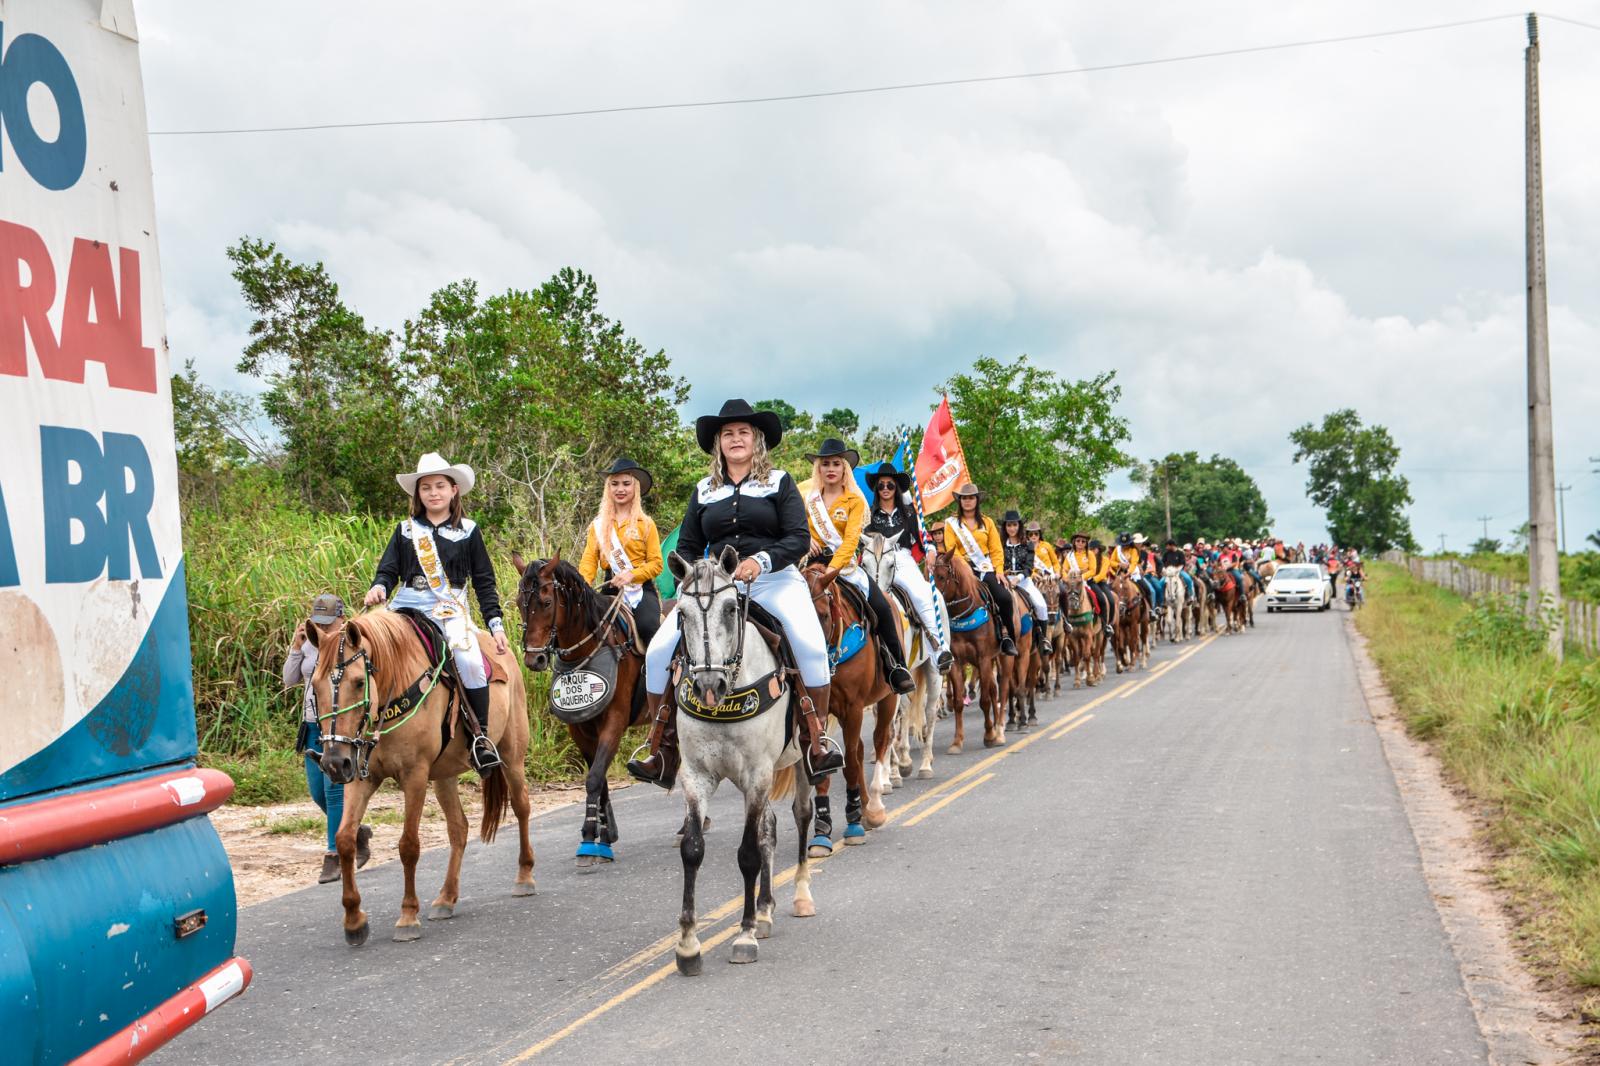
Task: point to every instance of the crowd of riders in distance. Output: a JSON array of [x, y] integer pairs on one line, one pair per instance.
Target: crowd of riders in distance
[[776, 526]]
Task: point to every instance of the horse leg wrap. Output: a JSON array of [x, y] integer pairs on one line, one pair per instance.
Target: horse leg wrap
[[821, 824], [852, 815]]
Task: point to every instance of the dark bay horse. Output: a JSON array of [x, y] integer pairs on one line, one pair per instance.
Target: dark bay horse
[[567, 624], [1057, 664], [1022, 670], [1131, 634], [977, 648], [859, 682], [382, 704]]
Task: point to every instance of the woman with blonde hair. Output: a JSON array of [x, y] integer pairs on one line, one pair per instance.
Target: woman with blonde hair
[[624, 542]]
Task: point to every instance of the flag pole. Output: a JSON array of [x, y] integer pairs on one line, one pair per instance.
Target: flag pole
[[922, 532]]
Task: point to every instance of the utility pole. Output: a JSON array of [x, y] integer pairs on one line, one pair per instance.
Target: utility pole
[[1441, 543], [1484, 518], [1544, 570], [1561, 500], [1166, 495]]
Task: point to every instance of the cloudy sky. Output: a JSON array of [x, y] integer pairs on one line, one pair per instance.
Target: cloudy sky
[[1250, 241]]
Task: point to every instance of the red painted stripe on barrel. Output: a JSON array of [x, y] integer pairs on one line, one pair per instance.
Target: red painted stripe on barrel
[[60, 824], [144, 1036]]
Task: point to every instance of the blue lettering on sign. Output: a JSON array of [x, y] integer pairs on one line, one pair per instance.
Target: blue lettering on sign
[[103, 475], [31, 60], [8, 553]]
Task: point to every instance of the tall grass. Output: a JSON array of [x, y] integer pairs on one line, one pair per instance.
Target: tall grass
[[1521, 733], [253, 570]]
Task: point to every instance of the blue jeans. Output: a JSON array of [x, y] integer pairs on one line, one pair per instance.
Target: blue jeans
[[326, 794], [1188, 581], [1159, 584]]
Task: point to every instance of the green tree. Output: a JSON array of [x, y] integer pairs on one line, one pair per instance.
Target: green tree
[[788, 417], [1485, 546], [1211, 498], [1035, 441], [215, 435], [842, 419], [1352, 478]]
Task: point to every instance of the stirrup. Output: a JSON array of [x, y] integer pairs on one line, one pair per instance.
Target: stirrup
[[945, 660], [485, 757], [818, 776]]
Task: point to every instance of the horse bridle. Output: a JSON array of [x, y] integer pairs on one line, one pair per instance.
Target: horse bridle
[[535, 597], [943, 562], [365, 742], [703, 600]]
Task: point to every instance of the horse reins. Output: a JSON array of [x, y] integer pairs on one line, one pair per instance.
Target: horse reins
[[364, 742], [566, 596]]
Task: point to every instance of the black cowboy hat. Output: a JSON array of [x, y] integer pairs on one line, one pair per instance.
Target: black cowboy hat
[[1012, 515], [624, 465], [833, 448], [1124, 540], [901, 479], [706, 427]]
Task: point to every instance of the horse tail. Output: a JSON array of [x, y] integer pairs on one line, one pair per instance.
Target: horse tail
[[783, 784], [496, 796]]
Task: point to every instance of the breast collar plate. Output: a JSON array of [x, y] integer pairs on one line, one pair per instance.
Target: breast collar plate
[[740, 706], [581, 690]]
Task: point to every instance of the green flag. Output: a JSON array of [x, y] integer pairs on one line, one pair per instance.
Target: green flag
[[666, 584]]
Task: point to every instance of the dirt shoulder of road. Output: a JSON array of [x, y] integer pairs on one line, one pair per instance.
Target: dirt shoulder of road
[[278, 848], [1525, 1016]]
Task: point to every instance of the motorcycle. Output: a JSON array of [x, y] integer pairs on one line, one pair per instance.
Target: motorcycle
[[1354, 593]]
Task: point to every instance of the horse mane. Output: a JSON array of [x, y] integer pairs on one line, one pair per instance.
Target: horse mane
[[964, 573], [590, 603], [392, 648]]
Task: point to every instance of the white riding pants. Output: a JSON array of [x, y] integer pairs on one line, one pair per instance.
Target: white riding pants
[[459, 633], [1035, 597], [908, 579], [785, 595]]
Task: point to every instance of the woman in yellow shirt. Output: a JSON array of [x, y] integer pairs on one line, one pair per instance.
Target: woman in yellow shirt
[[976, 536], [624, 542], [835, 512]]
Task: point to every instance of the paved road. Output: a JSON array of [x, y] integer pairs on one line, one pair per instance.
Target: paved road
[[1214, 867]]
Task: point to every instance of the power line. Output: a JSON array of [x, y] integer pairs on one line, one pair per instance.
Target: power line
[[1570, 22], [827, 93]]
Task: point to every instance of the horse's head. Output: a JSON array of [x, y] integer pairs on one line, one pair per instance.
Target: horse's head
[[1072, 593], [1050, 589], [342, 685], [954, 580], [711, 622], [540, 602], [879, 558]]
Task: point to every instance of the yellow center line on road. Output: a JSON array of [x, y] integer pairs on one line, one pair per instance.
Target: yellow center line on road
[[1167, 667], [938, 797], [957, 794]]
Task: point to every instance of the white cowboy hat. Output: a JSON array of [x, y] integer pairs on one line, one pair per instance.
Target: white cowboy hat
[[1138, 538], [434, 463]]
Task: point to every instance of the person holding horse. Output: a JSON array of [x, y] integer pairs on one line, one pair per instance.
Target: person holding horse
[[327, 615], [747, 504], [1019, 563], [978, 538], [624, 542], [893, 518], [835, 513], [431, 558]]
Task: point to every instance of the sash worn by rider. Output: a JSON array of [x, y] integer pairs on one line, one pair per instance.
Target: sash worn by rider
[[822, 522], [969, 545], [619, 563], [450, 607]]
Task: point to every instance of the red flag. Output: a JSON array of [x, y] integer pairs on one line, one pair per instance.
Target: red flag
[[941, 465]]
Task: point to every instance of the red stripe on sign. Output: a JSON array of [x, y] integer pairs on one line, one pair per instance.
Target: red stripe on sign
[[144, 1036], [61, 824]]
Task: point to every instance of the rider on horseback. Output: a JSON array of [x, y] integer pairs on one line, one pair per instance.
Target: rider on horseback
[[748, 505], [429, 561], [632, 552], [1154, 584], [1173, 556], [1045, 559], [835, 513], [978, 538], [1019, 563], [1084, 558], [893, 518], [1127, 556]]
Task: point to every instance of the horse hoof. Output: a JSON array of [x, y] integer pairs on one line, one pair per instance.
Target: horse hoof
[[924, 774], [690, 965], [819, 848], [990, 742], [763, 928], [356, 937], [874, 818], [743, 951], [523, 888], [585, 863], [404, 934], [954, 749], [804, 908], [854, 834], [441, 912]]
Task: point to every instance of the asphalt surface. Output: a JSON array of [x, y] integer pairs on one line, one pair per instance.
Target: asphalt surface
[[1213, 868]]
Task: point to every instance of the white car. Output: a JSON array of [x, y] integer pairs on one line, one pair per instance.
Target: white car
[[1299, 587]]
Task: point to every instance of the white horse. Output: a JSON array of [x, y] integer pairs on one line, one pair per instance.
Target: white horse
[[1177, 596], [728, 669], [919, 711]]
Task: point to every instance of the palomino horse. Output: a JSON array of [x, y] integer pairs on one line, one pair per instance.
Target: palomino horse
[[1177, 602], [1022, 670], [1131, 635], [733, 725], [859, 681], [977, 646], [1083, 632], [568, 625], [384, 706], [919, 709]]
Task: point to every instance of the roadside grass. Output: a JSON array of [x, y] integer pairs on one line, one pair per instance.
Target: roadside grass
[[1522, 735]]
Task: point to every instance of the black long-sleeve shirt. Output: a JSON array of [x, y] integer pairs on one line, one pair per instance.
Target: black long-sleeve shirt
[[1019, 558], [898, 525], [465, 558], [756, 517], [1172, 557]]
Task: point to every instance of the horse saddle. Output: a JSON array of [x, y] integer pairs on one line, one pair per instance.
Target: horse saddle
[[858, 600], [433, 641], [625, 619]]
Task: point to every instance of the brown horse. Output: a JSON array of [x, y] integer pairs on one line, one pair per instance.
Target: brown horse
[[1056, 665], [1229, 597], [859, 682], [977, 647], [383, 708], [567, 623], [1083, 632], [1022, 670], [1131, 634]]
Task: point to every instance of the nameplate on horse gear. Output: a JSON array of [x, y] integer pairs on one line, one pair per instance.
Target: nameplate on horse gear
[[970, 622], [579, 692], [740, 706], [852, 640]]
